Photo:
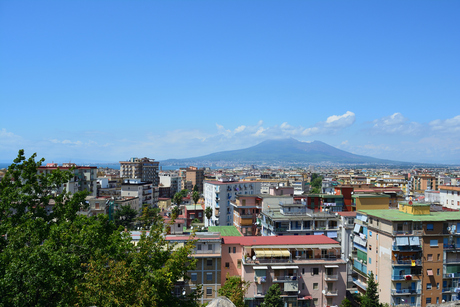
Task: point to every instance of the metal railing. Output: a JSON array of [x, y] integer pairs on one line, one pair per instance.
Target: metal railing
[[416, 262], [406, 291], [331, 277]]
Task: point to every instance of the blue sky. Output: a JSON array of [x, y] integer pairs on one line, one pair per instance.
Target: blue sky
[[109, 80]]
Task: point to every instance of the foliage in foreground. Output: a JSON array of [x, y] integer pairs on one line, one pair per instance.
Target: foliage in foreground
[[234, 289], [273, 297], [60, 258]]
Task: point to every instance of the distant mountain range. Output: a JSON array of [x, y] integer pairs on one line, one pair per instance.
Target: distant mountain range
[[285, 151]]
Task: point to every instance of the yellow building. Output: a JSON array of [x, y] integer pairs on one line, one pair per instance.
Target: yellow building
[[370, 201]]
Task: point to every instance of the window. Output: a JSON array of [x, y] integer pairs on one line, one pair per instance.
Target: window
[[439, 255], [315, 302], [234, 249], [428, 286], [434, 243], [377, 236], [238, 265], [429, 227], [303, 270], [437, 272], [209, 291], [437, 286], [209, 247], [315, 271], [429, 257], [437, 301], [370, 260], [428, 300], [229, 250], [370, 233], [227, 265], [193, 277], [209, 262], [370, 247], [303, 286], [315, 286], [198, 247], [209, 276]]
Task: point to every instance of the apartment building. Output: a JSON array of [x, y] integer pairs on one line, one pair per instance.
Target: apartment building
[[246, 208], [84, 177], [171, 182], [144, 191], [449, 196], [141, 168], [308, 269], [207, 273], [219, 194], [412, 253]]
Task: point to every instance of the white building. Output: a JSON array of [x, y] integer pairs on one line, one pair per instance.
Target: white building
[[136, 188], [449, 196], [218, 195], [173, 182]]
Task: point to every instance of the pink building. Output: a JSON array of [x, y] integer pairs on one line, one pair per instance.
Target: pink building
[[308, 269]]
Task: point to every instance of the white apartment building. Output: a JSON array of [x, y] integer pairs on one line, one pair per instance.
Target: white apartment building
[[218, 194], [173, 182], [449, 196], [136, 188]]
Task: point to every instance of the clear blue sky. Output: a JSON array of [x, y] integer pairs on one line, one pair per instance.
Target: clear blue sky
[[109, 80]]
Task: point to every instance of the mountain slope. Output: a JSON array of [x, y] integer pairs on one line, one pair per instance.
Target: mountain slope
[[286, 151]]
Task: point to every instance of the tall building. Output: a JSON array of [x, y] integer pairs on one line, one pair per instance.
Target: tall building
[[144, 168], [413, 253], [194, 176], [219, 194]]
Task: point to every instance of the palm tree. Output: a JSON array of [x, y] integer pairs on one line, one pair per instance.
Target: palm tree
[[195, 197], [208, 212]]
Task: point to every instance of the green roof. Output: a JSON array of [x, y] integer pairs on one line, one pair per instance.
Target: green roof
[[396, 215], [192, 207], [225, 231]]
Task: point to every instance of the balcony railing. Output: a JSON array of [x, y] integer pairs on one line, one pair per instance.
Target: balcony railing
[[331, 277], [260, 279], [407, 232], [404, 277], [452, 261], [451, 246], [285, 278], [407, 248], [451, 275], [407, 262], [406, 291], [449, 289], [331, 292]]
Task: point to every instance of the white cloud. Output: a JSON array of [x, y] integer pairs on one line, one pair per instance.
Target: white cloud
[[340, 121], [447, 125], [4, 134], [395, 124]]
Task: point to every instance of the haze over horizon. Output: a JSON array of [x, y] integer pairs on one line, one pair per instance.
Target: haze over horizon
[[106, 81]]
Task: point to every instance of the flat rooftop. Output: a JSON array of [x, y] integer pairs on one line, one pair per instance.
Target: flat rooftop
[[396, 215]]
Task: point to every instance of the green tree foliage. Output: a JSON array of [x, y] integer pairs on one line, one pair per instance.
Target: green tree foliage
[[208, 212], [195, 188], [371, 298], [61, 258], [316, 183], [346, 303], [183, 193], [234, 289], [125, 216], [273, 297]]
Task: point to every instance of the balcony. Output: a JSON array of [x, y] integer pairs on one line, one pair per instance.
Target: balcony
[[284, 278], [331, 277], [260, 279], [451, 275], [452, 260], [449, 289], [417, 262], [360, 284], [331, 292], [451, 246], [405, 291], [407, 232], [405, 277], [407, 248]]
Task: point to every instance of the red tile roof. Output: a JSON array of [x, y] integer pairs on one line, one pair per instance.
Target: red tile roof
[[279, 240], [347, 213]]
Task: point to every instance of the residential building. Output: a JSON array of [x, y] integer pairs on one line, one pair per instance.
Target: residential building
[[219, 194], [246, 208], [308, 269], [141, 168], [142, 190], [171, 182], [449, 196], [194, 177], [411, 251], [84, 177]]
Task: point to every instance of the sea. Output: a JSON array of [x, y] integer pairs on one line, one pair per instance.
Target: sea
[[114, 166]]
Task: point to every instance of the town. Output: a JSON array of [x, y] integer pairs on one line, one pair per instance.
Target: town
[[316, 233]]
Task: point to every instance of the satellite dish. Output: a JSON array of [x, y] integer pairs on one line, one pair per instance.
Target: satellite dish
[[324, 291], [254, 257]]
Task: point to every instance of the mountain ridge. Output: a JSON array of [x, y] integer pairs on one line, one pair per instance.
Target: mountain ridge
[[286, 151]]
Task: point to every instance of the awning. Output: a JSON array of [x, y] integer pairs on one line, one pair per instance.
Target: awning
[[260, 267], [357, 227], [307, 297], [277, 253], [331, 266], [402, 241], [332, 234], [414, 241], [283, 267], [429, 272], [259, 253]]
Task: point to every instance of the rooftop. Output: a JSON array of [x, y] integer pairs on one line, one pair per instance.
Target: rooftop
[[279, 240], [396, 215]]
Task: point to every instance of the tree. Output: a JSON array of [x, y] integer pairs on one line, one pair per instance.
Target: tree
[[125, 216], [195, 197], [60, 258], [234, 289], [208, 213], [371, 298], [346, 303], [43, 241], [195, 188], [316, 183], [273, 297]]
